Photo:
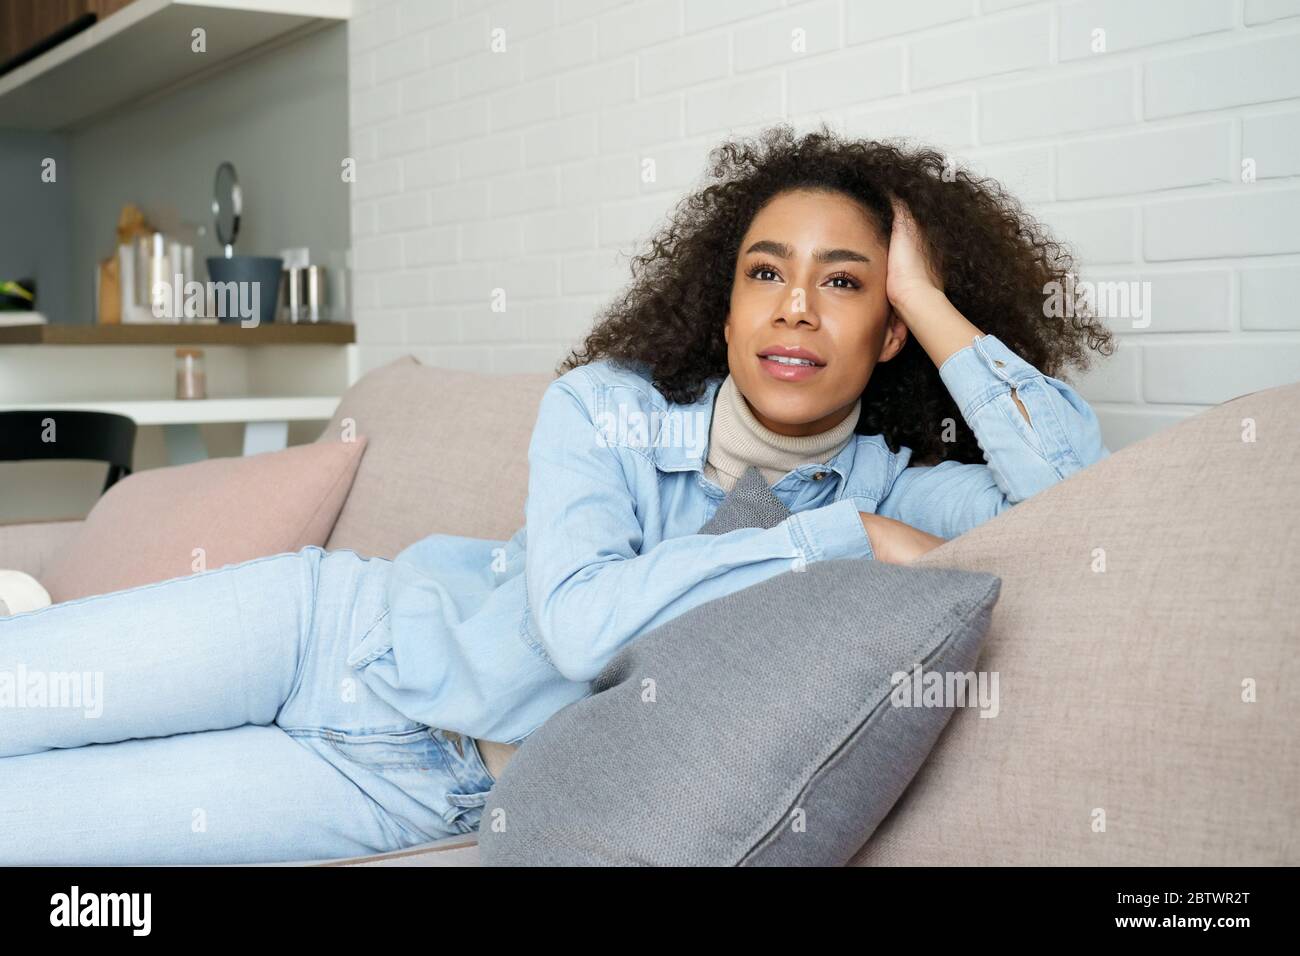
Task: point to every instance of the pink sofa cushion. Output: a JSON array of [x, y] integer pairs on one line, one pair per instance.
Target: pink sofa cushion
[[150, 526]]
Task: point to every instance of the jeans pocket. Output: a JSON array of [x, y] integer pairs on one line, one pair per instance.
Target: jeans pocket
[[473, 782], [405, 774], [467, 810], [411, 749]]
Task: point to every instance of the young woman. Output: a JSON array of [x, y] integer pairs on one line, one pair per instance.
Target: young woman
[[865, 327]]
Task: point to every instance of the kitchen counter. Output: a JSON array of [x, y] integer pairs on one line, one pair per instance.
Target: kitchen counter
[[263, 377]]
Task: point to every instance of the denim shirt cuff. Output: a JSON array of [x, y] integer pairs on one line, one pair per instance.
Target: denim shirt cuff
[[982, 370], [831, 531]]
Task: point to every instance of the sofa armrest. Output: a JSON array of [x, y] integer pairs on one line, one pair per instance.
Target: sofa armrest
[[1141, 607], [32, 547]]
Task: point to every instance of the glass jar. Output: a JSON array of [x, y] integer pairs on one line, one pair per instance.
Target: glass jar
[[191, 380]]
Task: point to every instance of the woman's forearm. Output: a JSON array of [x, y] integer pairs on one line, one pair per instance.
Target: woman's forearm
[[941, 329], [895, 542]]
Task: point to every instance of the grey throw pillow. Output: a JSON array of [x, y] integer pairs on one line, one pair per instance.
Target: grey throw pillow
[[751, 503], [760, 728]]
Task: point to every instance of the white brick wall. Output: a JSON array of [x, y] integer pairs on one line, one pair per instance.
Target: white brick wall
[[1124, 125]]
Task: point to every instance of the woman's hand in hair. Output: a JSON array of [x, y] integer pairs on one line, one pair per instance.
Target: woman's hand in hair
[[909, 273], [916, 294], [895, 542]]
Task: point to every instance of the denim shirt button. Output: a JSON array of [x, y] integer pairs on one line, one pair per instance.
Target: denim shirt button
[[818, 476]]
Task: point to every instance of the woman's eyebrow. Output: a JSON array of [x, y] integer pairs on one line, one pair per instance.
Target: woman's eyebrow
[[782, 251]]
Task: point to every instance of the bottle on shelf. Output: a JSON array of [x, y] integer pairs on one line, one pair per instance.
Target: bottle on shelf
[[191, 380]]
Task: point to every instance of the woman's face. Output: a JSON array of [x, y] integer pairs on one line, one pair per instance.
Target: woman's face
[[810, 275]]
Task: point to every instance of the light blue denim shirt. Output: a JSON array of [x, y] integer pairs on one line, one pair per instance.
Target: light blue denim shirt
[[490, 638]]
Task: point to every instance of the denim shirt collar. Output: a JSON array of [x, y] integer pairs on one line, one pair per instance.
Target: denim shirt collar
[[865, 465]]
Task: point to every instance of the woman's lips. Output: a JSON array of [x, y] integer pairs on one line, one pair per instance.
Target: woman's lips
[[789, 373]]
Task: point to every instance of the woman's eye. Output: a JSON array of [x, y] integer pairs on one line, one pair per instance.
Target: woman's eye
[[767, 273], [762, 271]]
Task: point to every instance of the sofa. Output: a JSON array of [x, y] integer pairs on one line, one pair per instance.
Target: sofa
[[1146, 639]]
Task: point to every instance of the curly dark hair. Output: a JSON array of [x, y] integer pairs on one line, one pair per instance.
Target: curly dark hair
[[996, 262]]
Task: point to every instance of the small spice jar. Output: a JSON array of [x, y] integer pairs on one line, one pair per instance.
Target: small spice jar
[[191, 381]]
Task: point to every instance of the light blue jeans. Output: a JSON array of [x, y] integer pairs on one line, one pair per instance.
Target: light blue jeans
[[214, 719]]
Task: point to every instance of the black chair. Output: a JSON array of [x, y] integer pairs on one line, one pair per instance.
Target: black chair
[[76, 435]]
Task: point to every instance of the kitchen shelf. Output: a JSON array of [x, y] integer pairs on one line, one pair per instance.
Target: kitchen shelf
[[228, 333], [145, 48], [199, 411]]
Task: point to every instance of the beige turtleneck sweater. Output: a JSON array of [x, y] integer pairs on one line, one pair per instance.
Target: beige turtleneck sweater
[[736, 440]]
